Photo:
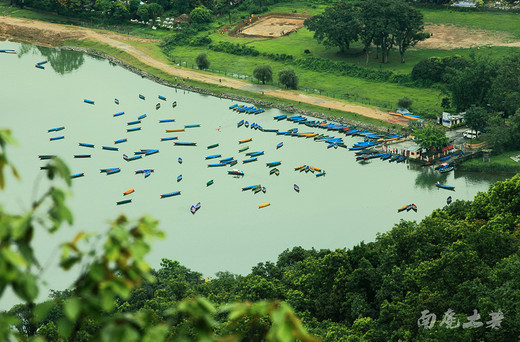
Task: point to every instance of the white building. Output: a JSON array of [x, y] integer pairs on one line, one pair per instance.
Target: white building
[[449, 120]]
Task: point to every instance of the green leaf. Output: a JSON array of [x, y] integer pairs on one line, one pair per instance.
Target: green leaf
[[107, 300], [156, 333], [15, 258], [65, 327], [42, 309], [62, 170], [31, 287], [72, 308]]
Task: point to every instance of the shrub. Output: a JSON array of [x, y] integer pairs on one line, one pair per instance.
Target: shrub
[[201, 15], [405, 102], [234, 49], [202, 61], [288, 78], [263, 73]]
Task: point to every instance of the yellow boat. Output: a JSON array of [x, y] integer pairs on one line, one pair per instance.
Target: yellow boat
[[410, 117], [128, 192], [310, 135], [315, 168], [394, 113], [245, 140], [266, 204], [175, 130], [299, 167]]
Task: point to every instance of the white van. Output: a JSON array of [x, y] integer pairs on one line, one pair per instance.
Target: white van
[[471, 134]]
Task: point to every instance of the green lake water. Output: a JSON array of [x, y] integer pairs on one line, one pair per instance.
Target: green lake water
[[352, 203]]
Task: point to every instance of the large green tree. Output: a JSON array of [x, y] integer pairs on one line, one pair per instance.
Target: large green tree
[[408, 27], [431, 137], [263, 73], [476, 118]]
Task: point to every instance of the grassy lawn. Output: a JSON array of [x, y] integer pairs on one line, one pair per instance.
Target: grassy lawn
[[494, 21], [499, 163]]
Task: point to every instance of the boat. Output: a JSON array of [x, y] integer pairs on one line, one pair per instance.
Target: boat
[[257, 189], [413, 207], [88, 101], [263, 205], [208, 183], [170, 194], [216, 165], [144, 171], [250, 187], [169, 138], [229, 159], [273, 170], [175, 130], [150, 152], [442, 186], [212, 146], [264, 190], [236, 172], [162, 98], [76, 175], [147, 173], [233, 106], [110, 148], [56, 129], [296, 188], [124, 201], [135, 157], [39, 66], [57, 138], [119, 114], [249, 160], [133, 129], [448, 200], [128, 192], [246, 123], [191, 126], [277, 172], [116, 101], [401, 159], [82, 156], [157, 106], [194, 208], [108, 169], [111, 172], [185, 143], [279, 145], [179, 178], [446, 169], [403, 208], [120, 141], [141, 116], [141, 96], [86, 145], [256, 154], [174, 104], [240, 123], [280, 117], [245, 140], [299, 167], [273, 164], [320, 174], [245, 148], [233, 162], [166, 120], [133, 122], [179, 160], [214, 156]]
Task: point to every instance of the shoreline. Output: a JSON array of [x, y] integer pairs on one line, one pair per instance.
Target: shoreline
[[256, 102]]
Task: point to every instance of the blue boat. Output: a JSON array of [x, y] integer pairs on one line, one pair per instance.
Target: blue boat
[[82, 156], [394, 158], [185, 143], [401, 159], [226, 160], [233, 106], [116, 101], [141, 96], [246, 123], [86, 145], [280, 117], [118, 114], [442, 186], [76, 175], [240, 123], [162, 98], [191, 126], [110, 148], [147, 173], [144, 171], [179, 160], [133, 122], [214, 156], [179, 178], [249, 160], [56, 129], [250, 187], [170, 194], [273, 164], [273, 130], [141, 117], [120, 141], [166, 120], [255, 154], [168, 138], [320, 174], [445, 158], [133, 129], [57, 138], [88, 101], [194, 208], [39, 66], [296, 188], [150, 152], [108, 169], [135, 157], [215, 165], [279, 145], [111, 172]]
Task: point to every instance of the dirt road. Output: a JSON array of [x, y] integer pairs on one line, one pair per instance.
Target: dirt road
[[50, 34]]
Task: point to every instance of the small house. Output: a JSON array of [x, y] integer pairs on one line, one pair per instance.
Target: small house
[[450, 120]]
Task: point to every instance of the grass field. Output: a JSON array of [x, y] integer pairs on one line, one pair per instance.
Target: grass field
[[499, 163]]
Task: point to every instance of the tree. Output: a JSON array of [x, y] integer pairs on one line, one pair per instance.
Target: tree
[[505, 88], [408, 28], [446, 103], [288, 78], [155, 10], [431, 137], [404, 102], [476, 118], [336, 26], [263, 73], [143, 13], [202, 61], [201, 15]]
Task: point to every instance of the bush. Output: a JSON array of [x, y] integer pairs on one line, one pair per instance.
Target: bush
[[201, 15], [200, 41], [202, 61], [288, 78], [263, 73], [234, 49], [405, 102], [307, 51]]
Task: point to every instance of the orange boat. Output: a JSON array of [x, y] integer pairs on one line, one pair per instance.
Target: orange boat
[[315, 168], [310, 135], [175, 130], [245, 140], [128, 192], [298, 167], [394, 113], [410, 117], [263, 205]]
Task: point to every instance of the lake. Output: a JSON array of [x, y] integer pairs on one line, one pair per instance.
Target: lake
[[350, 204]]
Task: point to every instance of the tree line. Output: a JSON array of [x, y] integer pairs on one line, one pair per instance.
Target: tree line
[[383, 23], [451, 277]]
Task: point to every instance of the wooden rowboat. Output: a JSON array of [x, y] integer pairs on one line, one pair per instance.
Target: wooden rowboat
[[245, 140], [263, 205]]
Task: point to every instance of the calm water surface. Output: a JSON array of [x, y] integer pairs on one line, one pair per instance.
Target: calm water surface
[[352, 203]]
